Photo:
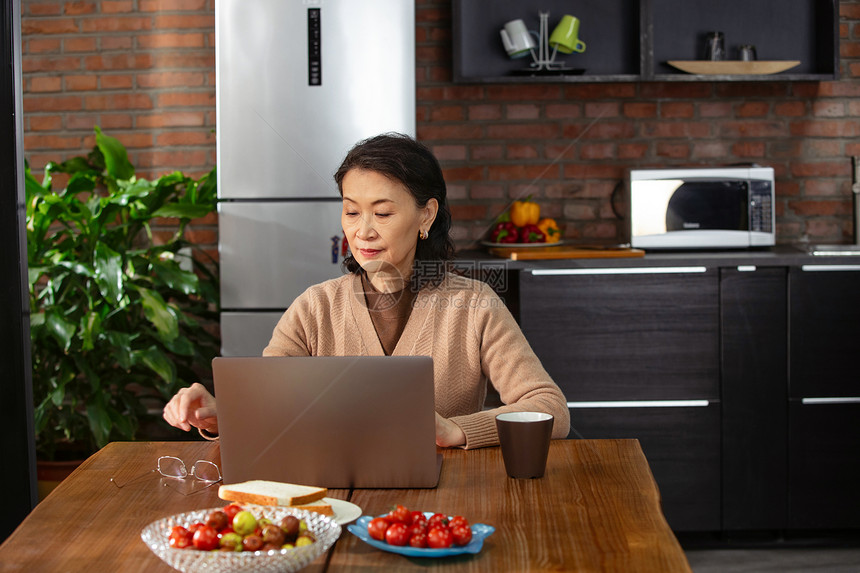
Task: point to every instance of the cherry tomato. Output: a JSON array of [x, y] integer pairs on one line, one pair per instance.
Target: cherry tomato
[[205, 538], [231, 510], [194, 527], [439, 537], [400, 514], [462, 534], [419, 517], [417, 528], [397, 534], [457, 520], [418, 540], [437, 519], [376, 528], [180, 538]]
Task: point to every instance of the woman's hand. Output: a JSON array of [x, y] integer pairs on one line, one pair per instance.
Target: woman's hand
[[192, 407], [448, 433]]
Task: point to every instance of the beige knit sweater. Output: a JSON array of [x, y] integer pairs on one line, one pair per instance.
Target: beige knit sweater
[[461, 323]]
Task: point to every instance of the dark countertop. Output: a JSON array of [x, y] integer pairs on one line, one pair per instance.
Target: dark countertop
[[778, 256]]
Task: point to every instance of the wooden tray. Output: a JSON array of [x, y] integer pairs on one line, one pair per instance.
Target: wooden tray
[[566, 252], [733, 67]]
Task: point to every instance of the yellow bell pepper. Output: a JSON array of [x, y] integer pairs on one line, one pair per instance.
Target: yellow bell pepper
[[525, 212], [550, 230]]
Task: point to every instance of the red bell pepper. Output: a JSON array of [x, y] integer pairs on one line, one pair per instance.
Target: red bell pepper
[[531, 234], [504, 232]]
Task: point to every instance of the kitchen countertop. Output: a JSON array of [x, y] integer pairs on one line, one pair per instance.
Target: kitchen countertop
[[778, 256]]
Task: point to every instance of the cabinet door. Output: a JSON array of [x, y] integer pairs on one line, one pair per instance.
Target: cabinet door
[[824, 465], [825, 330], [753, 322], [682, 445], [625, 333]]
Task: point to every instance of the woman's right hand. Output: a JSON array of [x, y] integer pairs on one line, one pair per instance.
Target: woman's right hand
[[192, 407]]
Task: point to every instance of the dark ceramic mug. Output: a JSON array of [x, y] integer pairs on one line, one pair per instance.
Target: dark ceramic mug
[[524, 437]]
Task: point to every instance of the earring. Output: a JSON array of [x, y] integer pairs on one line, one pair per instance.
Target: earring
[[422, 234]]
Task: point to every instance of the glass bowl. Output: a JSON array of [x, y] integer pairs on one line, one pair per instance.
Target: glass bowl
[[156, 534]]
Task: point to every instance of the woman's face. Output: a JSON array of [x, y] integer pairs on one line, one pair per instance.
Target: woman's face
[[381, 222]]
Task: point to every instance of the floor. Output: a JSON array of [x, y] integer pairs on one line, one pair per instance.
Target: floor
[[834, 554]]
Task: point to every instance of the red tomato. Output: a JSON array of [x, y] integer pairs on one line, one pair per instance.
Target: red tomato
[[439, 538], [419, 517], [180, 538], [400, 515], [418, 540], [194, 527], [457, 520], [436, 520], [397, 534], [462, 534], [231, 510], [376, 528], [417, 528], [205, 538]]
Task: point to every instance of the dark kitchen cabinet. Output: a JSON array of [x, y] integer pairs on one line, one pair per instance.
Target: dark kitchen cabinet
[[631, 40], [636, 352], [754, 342], [824, 397]]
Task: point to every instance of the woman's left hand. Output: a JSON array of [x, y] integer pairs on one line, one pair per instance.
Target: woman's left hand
[[448, 433]]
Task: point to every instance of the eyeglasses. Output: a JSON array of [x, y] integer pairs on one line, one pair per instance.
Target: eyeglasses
[[172, 467]]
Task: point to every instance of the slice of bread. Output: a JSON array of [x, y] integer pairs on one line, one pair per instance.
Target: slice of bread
[[262, 492], [318, 506]]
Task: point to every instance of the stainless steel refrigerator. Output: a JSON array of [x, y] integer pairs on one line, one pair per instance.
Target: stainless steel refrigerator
[[298, 83]]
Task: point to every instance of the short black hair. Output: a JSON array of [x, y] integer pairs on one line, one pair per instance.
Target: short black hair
[[402, 158]]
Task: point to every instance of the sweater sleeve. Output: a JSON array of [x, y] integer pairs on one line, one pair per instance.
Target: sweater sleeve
[[514, 370], [291, 335]]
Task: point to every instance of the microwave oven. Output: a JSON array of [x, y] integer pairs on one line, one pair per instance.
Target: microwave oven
[[702, 208]]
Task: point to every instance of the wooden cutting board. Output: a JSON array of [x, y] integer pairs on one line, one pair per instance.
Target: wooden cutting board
[[565, 252]]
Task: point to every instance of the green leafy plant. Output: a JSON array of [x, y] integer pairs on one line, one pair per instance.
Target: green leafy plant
[[118, 319]]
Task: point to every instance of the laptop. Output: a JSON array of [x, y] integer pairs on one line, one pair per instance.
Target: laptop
[[328, 421]]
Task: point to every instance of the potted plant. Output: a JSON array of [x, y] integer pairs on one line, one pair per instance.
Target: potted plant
[[119, 316]]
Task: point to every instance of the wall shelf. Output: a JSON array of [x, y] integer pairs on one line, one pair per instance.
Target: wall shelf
[[631, 40]]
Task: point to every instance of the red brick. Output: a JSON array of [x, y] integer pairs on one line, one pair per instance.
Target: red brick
[[487, 192], [749, 149], [568, 151], [849, 11], [591, 170], [781, 148], [484, 111], [171, 119], [601, 130], [675, 90], [639, 109], [201, 236], [753, 109], [51, 142], [579, 212], [677, 110], [821, 169], [474, 173], [46, 84], [432, 53], [153, 41], [116, 24], [849, 49], [450, 152], [82, 44], [52, 103], [109, 43], [672, 150], [833, 89], [522, 111], [432, 15], [519, 92], [82, 121], [825, 128], [752, 89], [563, 110], [516, 151], [827, 148], [167, 160], [482, 152], [186, 60], [527, 172], [709, 149], [632, 150], [115, 121], [446, 113], [81, 83], [752, 129], [819, 228], [714, 109], [462, 131], [42, 8], [121, 62], [187, 99], [171, 5], [134, 140], [599, 91], [602, 109], [42, 45], [45, 122], [597, 151], [468, 212], [116, 81], [824, 188], [790, 109], [167, 21], [116, 6], [679, 129], [39, 26], [118, 101], [170, 79], [50, 63], [523, 131], [828, 108], [79, 8]]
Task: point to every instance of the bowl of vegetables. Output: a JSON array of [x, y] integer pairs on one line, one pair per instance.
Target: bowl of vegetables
[[522, 226], [241, 538]]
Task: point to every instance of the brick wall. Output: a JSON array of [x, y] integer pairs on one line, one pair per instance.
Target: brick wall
[[144, 71]]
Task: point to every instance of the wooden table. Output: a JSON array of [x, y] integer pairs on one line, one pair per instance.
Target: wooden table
[[596, 509]]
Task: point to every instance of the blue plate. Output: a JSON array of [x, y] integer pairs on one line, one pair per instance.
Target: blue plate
[[479, 533]]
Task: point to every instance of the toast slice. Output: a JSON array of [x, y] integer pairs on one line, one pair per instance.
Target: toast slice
[[263, 492], [321, 507]]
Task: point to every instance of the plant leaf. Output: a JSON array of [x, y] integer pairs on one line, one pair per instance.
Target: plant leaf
[[120, 343], [159, 314], [116, 158], [174, 277], [99, 419], [158, 362], [108, 267], [61, 329], [183, 211]]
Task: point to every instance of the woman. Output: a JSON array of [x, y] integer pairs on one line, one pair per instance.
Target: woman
[[399, 299]]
